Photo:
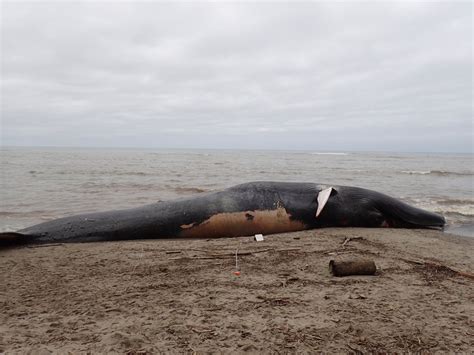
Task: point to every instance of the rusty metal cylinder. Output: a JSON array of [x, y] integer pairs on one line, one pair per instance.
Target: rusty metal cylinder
[[352, 267]]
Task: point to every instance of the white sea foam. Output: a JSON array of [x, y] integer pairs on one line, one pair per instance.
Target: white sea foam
[[467, 211], [438, 172], [415, 172], [446, 206], [328, 153]]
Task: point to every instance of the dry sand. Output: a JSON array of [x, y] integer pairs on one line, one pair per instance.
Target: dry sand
[[182, 295]]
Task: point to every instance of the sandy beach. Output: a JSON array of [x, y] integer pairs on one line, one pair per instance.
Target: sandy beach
[[183, 296]]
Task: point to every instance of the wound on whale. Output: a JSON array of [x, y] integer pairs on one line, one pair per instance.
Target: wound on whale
[[256, 207]]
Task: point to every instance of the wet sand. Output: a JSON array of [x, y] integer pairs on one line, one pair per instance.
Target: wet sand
[[183, 296]]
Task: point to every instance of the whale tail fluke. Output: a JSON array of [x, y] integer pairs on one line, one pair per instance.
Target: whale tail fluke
[[8, 239]]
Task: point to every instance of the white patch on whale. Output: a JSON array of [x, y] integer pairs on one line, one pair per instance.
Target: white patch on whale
[[323, 198]]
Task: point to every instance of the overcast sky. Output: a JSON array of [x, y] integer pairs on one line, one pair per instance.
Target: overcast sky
[[386, 76]]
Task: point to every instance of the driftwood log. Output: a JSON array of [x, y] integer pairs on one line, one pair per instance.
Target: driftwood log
[[352, 267]]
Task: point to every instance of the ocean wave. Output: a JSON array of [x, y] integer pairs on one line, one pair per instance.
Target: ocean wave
[[445, 206], [102, 173], [10, 214], [328, 153], [466, 211], [438, 172], [461, 210], [456, 215], [415, 172], [455, 201], [187, 190], [101, 186], [447, 173]]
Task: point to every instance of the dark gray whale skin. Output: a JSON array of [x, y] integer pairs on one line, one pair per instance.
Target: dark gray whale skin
[[240, 210]]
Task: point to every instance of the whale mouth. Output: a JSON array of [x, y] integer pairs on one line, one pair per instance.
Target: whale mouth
[[418, 218]]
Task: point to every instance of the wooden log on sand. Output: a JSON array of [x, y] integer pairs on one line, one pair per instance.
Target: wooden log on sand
[[352, 267]]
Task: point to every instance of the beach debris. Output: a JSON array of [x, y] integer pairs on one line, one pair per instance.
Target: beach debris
[[259, 237], [44, 245], [357, 296], [352, 267], [227, 255], [440, 268], [348, 239], [279, 301], [202, 331], [237, 269]]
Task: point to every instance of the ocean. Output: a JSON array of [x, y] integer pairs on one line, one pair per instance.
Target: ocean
[[39, 184]]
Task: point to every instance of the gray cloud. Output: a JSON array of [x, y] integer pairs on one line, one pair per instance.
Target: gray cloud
[[341, 76]]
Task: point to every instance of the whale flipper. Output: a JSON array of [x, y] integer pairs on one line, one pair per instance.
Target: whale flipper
[[323, 198]]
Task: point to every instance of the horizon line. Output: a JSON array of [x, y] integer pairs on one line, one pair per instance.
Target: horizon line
[[234, 149]]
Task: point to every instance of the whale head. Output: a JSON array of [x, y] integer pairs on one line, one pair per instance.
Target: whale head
[[357, 207]]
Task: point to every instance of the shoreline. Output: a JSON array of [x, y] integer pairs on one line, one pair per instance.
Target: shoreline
[[182, 295], [461, 230]]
